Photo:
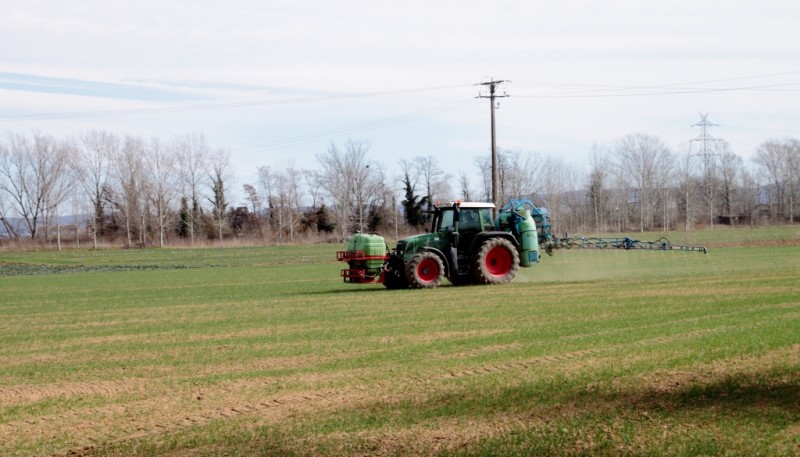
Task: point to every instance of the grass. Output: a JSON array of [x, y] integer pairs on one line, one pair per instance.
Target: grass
[[263, 351]]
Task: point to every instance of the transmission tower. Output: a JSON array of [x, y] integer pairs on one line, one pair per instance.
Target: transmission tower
[[492, 87], [708, 153], [704, 136]]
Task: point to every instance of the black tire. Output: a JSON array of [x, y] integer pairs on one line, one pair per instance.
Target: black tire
[[424, 271], [497, 262], [395, 276]]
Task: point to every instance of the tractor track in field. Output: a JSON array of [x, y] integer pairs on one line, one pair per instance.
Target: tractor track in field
[[24, 394], [279, 407], [87, 427], [169, 412]]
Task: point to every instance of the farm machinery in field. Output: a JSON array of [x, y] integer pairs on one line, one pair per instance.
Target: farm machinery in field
[[467, 245]]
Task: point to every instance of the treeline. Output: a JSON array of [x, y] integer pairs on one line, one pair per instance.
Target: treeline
[[137, 192]]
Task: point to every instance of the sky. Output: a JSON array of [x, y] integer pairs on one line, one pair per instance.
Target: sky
[[276, 82]]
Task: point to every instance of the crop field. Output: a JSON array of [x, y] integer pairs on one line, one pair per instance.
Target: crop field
[[264, 351]]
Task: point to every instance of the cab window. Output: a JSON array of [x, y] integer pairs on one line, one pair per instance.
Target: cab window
[[486, 218], [469, 220], [446, 220]]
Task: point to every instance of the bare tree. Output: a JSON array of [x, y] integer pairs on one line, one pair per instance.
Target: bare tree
[[334, 180], [286, 200], [193, 154], [294, 196], [749, 197], [16, 176], [466, 186], [252, 197], [686, 185], [793, 162], [313, 187], [554, 186], [91, 167], [644, 163], [773, 158], [219, 175], [710, 182], [520, 175], [30, 171], [349, 182], [597, 192], [574, 198], [10, 229], [266, 179], [130, 186], [379, 199], [62, 184], [435, 180], [162, 176], [730, 166], [484, 166]]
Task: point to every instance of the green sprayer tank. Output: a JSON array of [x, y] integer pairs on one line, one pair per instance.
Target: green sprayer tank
[[517, 219], [374, 251], [528, 239]]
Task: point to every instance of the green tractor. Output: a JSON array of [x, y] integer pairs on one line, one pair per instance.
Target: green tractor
[[465, 245]]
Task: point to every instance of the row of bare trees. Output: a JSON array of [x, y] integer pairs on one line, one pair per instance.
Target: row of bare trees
[[112, 186], [153, 192], [638, 183], [634, 183]]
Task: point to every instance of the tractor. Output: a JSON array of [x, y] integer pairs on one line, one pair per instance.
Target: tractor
[[465, 245]]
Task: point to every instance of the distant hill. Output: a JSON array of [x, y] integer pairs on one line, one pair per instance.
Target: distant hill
[[21, 228]]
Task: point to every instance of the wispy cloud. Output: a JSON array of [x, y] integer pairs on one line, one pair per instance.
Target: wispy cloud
[[83, 88]]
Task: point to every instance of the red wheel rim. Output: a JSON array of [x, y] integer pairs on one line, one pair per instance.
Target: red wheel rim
[[498, 261], [428, 270]]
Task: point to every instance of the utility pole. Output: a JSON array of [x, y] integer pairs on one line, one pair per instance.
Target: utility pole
[[492, 86], [708, 152]]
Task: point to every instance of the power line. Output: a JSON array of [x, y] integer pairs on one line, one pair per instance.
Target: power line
[[356, 128], [658, 86], [646, 92]]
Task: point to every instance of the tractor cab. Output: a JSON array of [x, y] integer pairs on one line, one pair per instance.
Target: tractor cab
[[462, 218], [458, 224]]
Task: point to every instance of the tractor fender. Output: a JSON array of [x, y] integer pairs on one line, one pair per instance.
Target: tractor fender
[[483, 236]]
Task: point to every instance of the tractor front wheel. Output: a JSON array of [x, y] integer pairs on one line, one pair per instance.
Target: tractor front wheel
[[424, 270], [497, 262]]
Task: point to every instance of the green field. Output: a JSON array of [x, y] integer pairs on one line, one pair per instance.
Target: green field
[[264, 351]]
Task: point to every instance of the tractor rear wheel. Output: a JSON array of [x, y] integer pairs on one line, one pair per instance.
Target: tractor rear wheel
[[424, 270], [497, 262]]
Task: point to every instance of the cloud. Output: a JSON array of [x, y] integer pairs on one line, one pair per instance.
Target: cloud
[[83, 88]]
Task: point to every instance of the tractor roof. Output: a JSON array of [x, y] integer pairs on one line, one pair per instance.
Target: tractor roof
[[465, 204]]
